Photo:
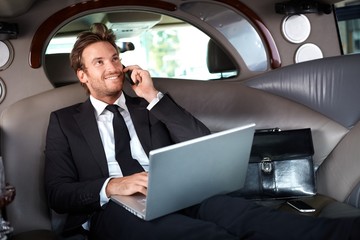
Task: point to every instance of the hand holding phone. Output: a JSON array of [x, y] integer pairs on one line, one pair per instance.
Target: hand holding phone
[[141, 82], [301, 206], [128, 77]]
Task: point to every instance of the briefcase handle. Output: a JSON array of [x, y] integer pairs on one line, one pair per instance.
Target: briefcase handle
[[268, 130]]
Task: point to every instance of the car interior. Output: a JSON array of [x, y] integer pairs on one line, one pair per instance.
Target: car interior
[[320, 93]]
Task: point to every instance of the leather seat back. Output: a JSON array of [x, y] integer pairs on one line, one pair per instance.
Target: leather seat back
[[23, 132], [219, 104]]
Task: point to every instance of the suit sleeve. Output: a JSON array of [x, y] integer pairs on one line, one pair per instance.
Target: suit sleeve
[[67, 192], [181, 124]]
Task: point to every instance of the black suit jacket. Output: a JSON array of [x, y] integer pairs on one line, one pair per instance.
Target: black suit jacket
[[76, 166]]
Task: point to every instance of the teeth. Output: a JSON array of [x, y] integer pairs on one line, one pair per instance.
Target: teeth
[[112, 77]]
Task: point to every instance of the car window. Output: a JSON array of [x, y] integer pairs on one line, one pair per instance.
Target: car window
[[236, 28], [348, 16], [177, 50]]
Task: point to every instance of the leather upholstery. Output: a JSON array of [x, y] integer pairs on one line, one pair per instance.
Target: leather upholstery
[[339, 174], [23, 127], [329, 86], [354, 197], [220, 105]]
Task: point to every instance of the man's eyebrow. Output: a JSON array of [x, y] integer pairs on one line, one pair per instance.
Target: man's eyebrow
[[96, 59], [101, 58]]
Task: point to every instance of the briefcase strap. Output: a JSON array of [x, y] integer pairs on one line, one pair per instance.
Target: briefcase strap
[[267, 176]]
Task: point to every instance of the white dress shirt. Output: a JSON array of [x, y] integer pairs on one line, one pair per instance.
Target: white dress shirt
[[104, 120]]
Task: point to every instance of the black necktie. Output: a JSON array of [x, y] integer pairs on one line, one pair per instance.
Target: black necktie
[[127, 164]]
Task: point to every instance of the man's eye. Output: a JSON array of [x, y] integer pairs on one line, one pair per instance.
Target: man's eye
[[99, 62]]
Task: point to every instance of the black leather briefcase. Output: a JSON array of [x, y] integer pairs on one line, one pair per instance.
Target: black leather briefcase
[[280, 165]]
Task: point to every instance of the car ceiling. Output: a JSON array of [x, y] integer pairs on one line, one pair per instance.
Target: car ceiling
[[13, 8]]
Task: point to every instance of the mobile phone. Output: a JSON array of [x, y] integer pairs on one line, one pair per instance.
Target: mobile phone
[[128, 77], [301, 206]]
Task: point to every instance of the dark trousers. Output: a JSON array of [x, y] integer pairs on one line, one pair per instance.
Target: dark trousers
[[221, 217]]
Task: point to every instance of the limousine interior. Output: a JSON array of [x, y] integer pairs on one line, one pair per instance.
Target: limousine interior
[[280, 64]]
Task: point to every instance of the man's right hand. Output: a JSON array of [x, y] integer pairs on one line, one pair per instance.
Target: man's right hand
[[136, 183]]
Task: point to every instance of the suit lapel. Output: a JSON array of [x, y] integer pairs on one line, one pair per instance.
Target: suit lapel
[[85, 118], [89, 128]]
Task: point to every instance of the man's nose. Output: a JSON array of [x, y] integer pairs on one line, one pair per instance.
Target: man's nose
[[111, 66]]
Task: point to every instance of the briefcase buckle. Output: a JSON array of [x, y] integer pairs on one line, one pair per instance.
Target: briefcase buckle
[[266, 165]]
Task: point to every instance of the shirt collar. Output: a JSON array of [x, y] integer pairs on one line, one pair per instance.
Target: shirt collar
[[100, 105]]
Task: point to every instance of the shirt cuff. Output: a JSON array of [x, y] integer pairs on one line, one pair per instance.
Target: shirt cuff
[[103, 197], [155, 100]]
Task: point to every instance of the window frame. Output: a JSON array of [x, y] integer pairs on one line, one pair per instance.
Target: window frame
[[57, 20]]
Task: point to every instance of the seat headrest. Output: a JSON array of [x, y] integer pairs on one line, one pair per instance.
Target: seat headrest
[[217, 59], [58, 70]]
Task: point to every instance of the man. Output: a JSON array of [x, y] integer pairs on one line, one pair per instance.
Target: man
[[82, 170]]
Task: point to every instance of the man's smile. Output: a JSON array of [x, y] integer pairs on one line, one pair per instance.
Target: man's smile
[[112, 77]]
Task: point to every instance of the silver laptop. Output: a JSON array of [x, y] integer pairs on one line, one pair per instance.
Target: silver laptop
[[184, 174]]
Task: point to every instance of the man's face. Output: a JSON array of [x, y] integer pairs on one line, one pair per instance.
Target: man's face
[[102, 71]]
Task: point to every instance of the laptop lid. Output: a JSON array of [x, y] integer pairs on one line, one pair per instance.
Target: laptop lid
[[186, 173]]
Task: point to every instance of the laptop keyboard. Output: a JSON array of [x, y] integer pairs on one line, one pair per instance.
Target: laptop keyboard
[[142, 201]]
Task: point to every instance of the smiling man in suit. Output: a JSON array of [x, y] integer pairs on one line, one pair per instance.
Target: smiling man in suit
[[84, 166]]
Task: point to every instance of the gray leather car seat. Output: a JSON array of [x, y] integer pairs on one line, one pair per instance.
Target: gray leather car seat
[[219, 104], [23, 130], [329, 86]]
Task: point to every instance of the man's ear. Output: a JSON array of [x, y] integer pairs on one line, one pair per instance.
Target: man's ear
[[81, 75]]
